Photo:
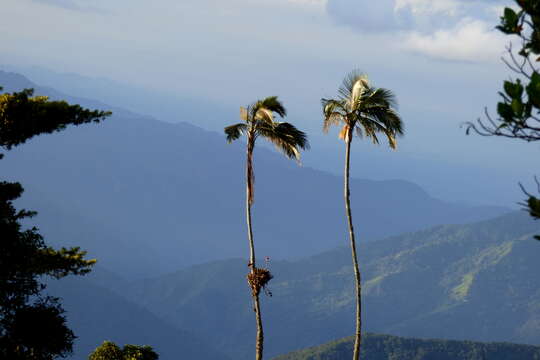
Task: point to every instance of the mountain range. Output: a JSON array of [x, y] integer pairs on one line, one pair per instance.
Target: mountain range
[[463, 282], [148, 197], [161, 207], [467, 282]]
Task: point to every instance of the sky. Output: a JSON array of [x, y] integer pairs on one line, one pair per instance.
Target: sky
[[440, 57]]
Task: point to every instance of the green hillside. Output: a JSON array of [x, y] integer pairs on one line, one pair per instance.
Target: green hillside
[[475, 282], [385, 347]]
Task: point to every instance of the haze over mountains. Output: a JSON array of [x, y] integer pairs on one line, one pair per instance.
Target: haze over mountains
[[486, 172], [148, 197], [145, 196], [448, 255]]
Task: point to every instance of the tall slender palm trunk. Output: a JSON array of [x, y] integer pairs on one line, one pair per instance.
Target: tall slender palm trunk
[[358, 332], [254, 292]]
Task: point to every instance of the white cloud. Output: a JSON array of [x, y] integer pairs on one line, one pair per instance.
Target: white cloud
[[429, 7], [365, 15], [470, 40], [461, 30]]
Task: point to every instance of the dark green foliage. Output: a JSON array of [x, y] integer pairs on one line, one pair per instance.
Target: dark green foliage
[[533, 204], [110, 351], [259, 121], [233, 132], [23, 117], [135, 352], [364, 110], [384, 347], [519, 109], [525, 24], [107, 351], [39, 331], [32, 325], [29, 322]]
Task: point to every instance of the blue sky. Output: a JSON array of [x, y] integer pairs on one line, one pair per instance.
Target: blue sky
[[441, 57]]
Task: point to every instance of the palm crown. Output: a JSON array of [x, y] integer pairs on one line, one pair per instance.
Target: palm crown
[[363, 109], [259, 120]]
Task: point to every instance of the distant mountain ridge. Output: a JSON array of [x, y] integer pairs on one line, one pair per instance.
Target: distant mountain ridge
[[148, 197], [459, 180]]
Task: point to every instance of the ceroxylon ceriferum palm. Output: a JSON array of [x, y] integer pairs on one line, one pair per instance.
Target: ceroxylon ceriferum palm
[[258, 121], [365, 111]]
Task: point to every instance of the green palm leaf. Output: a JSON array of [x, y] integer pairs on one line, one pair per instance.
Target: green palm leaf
[[369, 111], [286, 137], [233, 132]]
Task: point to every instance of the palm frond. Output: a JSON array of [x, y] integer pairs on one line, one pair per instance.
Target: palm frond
[[368, 111], [382, 97], [286, 137], [243, 114], [233, 132], [332, 119], [273, 104], [387, 118], [334, 113], [263, 110], [392, 141], [384, 121], [359, 91], [331, 105], [292, 135], [370, 128], [353, 85], [265, 115]]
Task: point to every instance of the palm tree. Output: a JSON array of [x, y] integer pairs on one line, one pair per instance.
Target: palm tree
[[368, 112], [258, 121]]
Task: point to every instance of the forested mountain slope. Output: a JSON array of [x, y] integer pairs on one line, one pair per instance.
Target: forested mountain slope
[[385, 347], [474, 282]]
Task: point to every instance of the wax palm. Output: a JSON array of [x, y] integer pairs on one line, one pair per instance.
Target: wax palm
[[258, 121], [367, 112]]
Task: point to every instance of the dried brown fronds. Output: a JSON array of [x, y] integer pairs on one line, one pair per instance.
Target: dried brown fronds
[[258, 279]]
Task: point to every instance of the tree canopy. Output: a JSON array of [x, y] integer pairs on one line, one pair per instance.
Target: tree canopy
[[363, 109], [23, 116], [32, 324], [518, 111], [110, 351]]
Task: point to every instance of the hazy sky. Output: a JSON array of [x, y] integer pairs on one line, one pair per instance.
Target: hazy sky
[[297, 48], [441, 57]]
